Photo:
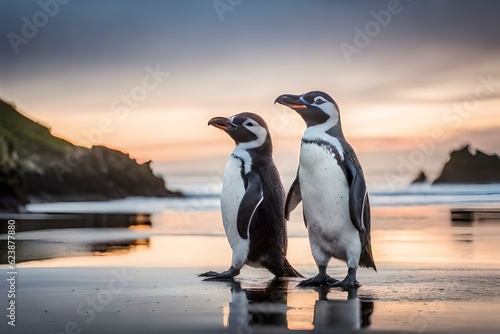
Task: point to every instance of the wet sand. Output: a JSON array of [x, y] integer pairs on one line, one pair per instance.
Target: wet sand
[[134, 300], [434, 276]]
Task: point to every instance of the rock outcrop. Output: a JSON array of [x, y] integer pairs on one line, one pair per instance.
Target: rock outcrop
[[467, 167], [53, 169], [12, 193], [99, 173], [421, 178]]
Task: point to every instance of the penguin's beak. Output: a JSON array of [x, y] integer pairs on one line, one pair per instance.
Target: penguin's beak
[[221, 123], [292, 101]]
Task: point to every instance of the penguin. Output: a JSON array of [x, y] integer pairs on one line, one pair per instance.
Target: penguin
[[331, 185], [252, 200]]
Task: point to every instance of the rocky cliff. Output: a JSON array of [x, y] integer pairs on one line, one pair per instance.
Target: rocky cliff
[[53, 169], [12, 192], [467, 167]]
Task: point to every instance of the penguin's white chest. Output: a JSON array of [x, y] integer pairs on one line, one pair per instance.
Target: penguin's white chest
[[325, 196], [233, 189]]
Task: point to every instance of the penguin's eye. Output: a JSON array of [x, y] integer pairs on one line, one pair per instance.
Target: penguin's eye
[[249, 124], [319, 101]]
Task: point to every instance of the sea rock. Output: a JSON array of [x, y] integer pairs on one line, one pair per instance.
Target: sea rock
[[465, 166], [421, 178]]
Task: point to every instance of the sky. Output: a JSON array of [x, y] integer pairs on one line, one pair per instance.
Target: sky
[[413, 79]]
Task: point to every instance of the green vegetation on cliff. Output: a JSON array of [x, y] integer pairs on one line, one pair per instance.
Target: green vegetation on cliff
[[28, 136]]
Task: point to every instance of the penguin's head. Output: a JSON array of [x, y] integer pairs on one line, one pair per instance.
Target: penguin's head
[[314, 107], [248, 130]]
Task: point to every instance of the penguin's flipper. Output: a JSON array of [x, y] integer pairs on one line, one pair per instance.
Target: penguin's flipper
[[293, 198], [359, 208], [249, 203]]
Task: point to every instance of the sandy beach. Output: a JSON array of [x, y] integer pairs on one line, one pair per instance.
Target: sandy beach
[[159, 300], [434, 276]]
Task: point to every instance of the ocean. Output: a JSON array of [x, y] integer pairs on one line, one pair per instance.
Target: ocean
[[204, 196], [402, 221]]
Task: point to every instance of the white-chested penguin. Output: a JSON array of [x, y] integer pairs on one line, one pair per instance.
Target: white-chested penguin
[[331, 185], [252, 200]]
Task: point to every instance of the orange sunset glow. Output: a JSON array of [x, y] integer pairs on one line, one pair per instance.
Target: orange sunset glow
[[149, 86]]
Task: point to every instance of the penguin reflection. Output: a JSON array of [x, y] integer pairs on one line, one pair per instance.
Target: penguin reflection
[[268, 307], [254, 307], [345, 314]]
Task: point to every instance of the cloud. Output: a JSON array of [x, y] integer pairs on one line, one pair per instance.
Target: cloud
[[429, 57]]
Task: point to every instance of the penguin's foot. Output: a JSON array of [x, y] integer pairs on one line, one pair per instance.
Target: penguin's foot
[[349, 282], [223, 276], [319, 280], [346, 284], [209, 274]]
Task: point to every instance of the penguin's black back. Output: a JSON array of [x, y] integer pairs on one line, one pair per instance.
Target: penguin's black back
[[268, 233]]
